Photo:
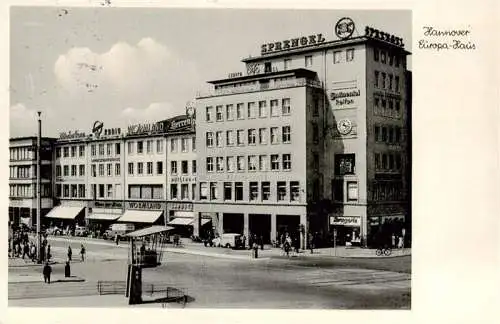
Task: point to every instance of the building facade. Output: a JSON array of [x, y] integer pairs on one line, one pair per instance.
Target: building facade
[[344, 103]]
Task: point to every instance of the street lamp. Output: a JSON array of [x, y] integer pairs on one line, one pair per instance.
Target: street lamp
[[38, 189]]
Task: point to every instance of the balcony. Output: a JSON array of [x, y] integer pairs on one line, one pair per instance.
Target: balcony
[[256, 87]]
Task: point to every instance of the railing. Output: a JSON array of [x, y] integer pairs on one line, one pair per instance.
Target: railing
[[259, 87]]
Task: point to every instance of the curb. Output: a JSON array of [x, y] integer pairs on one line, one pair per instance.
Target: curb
[[215, 255], [52, 281]]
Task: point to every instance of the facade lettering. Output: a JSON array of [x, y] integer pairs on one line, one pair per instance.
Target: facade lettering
[[145, 205], [294, 42]]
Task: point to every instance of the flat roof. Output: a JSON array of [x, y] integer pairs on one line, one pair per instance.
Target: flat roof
[[295, 72]]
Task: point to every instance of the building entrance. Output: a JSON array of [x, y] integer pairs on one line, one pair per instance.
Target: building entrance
[[260, 225], [232, 223], [287, 224]]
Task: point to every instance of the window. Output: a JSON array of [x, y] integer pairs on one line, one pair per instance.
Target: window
[[315, 133], [101, 170], [193, 191], [391, 134], [382, 56], [173, 167], [218, 113], [262, 162], [398, 161], [81, 170], [210, 139], [344, 164], [74, 190], [130, 147], [184, 191], [101, 149], [210, 113], [275, 162], [337, 57], [214, 193], [109, 148], [146, 192], [58, 153], [315, 161], [94, 170], [266, 190], [263, 136], [391, 104], [140, 147], [384, 161], [184, 167], [159, 146], [203, 191], [73, 170], [338, 190], [184, 145], [65, 191], [131, 168], [241, 163], [193, 144], [349, 54], [316, 107], [81, 191], [193, 167], [398, 107], [396, 83], [230, 164], [391, 162], [294, 191], [287, 162], [134, 191], [240, 137], [376, 79], [109, 171], [140, 168], [252, 134], [285, 106], [229, 138], [228, 191], [238, 191], [390, 81], [384, 134], [58, 172], [159, 167], [229, 112], [377, 161], [157, 192], [352, 191], [281, 190], [210, 164], [149, 146], [383, 81], [252, 163], [173, 191], [391, 58], [173, 144], [274, 135], [308, 60], [274, 108], [110, 191], [101, 191], [149, 168], [397, 135], [117, 169], [239, 110], [253, 191], [285, 134], [117, 148], [377, 133], [251, 110], [218, 139], [81, 150], [219, 163], [73, 151], [262, 109], [288, 64]]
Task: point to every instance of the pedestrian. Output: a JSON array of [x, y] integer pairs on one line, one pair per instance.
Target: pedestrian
[[243, 241], [311, 242], [47, 270], [26, 250], [400, 242], [393, 240], [117, 239], [82, 252], [67, 270], [48, 252], [33, 252], [70, 253]]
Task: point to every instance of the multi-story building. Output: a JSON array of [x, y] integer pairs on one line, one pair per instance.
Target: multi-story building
[[23, 179], [314, 136]]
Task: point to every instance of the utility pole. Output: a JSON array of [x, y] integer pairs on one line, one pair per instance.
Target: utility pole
[[38, 189]]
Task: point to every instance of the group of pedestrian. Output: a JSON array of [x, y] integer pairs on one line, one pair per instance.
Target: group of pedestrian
[[397, 241], [82, 253], [20, 246]]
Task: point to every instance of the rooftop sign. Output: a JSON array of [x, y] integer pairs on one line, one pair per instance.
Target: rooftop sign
[[71, 135], [143, 129], [375, 33], [292, 43]]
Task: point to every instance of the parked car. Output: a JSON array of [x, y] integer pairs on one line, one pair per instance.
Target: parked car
[[118, 230], [54, 230], [81, 231], [229, 240]]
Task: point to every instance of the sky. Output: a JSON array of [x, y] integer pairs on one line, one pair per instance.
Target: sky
[[132, 65]]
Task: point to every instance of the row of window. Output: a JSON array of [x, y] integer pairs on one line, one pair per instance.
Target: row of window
[[257, 191], [145, 191], [70, 170], [184, 191], [274, 162], [387, 57], [70, 190], [105, 170], [388, 161], [21, 154], [21, 172], [249, 136], [184, 165], [70, 151], [388, 107], [228, 112], [29, 190], [388, 134], [387, 81], [388, 191]]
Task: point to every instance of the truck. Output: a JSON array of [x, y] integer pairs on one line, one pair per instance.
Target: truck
[[118, 230]]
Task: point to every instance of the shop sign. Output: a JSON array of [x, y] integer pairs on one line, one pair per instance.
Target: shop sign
[[179, 124], [343, 98], [105, 160], [145, 205], [234, 75], [374, 221], [108, 204], [292, 43], [181, 206], [375, 33], [152, 128], [182, 179], [97, 128], [345, 220], [393, 218], [71, 135]]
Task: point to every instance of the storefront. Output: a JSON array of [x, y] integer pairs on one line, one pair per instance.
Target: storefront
[[103, 214], [346, 230], [383, 228], [143, 213]]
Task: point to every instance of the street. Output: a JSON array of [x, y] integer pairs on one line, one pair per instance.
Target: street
[[276, 282]]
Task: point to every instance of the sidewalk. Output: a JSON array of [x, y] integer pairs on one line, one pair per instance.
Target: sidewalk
[[22, 278]]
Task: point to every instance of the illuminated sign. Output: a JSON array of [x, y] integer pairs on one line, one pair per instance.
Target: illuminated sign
[[153, 128], [375, 33], [344, 97], [344, 28], [292, 43], [71, 135], [145, 205]]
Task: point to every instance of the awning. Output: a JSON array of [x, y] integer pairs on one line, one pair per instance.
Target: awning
[[140, 216], [149, 231], [64, 212], [103, 216], [181, 221], [204, 221]]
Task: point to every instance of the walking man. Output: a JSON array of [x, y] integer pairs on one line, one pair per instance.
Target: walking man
[[70, 253], [82, 252], [47, 270]]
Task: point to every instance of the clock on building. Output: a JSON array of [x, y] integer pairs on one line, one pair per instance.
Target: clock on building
[[344, 126]]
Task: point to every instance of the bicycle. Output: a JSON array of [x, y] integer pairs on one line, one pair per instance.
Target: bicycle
[[383, 250]]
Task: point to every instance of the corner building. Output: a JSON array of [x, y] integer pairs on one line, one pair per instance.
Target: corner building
[[313, 139]]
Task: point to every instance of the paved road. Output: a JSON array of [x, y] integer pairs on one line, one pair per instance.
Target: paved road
[[270, 283]]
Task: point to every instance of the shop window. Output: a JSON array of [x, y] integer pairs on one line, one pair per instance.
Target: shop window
[[338, 190], [254, 191], [228, 191], [238, 191], [266, 190], [344, 164], [352, 191]]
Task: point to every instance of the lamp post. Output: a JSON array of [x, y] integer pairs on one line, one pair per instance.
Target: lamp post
[[38, 189]]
